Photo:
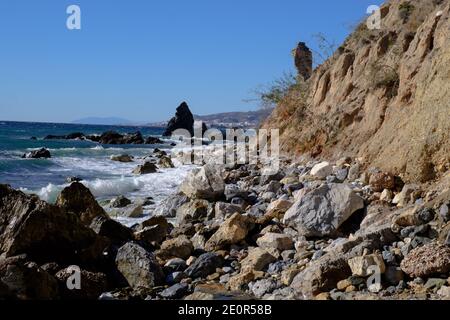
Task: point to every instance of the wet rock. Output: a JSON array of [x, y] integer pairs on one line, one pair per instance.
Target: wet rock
[[232, 231], [44, 231], [204, 265], [131, 211], [176, 291], [111, 229], [169, 206], [364, 266], [38, 154], [120, 202], [179, 247], [322, 170], [430, 259], [153, 140], [159, 153], [92, 284], [138, 266], [73, 179], [204, 183], [79, 200], [276, 241], [165, 162], [145, 168], [322, 211], [122, 158]]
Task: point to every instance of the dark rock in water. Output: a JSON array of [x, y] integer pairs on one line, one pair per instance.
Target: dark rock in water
[[79, 200], [205, 265], [176, 291], [159, 153], [92, 285], [70, 136], [122, 158], [183, 120], [75, 136], [25, 280], [153, 140], [120, 202], [138, 266], [165, 162], [113, 137], [37, 154], [73, 179], [45, 232], [133, 138], [145, 168], [53, 137], [93, 138], [33, 138], [111, 229]]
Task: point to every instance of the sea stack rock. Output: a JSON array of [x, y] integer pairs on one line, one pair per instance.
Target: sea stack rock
[[183, 120], [303, 60]]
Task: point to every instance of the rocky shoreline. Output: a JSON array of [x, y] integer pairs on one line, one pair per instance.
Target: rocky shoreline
[[311, 231]]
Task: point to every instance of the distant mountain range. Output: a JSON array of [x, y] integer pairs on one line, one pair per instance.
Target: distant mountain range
[[110, 121], [249, 119]]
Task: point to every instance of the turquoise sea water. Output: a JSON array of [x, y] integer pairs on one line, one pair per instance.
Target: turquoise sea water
[[87, 160]]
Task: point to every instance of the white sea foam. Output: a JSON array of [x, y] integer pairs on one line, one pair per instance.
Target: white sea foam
[[114, 187]]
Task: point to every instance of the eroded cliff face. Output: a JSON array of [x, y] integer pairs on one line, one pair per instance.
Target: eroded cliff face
[[383, 97]]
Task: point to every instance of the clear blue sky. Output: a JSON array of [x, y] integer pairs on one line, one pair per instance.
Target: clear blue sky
[[138, 59]]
